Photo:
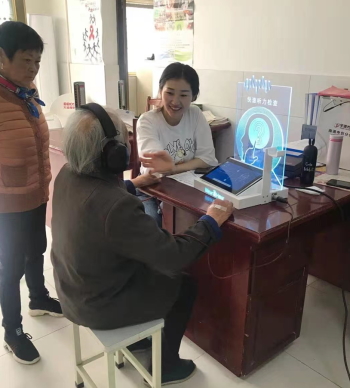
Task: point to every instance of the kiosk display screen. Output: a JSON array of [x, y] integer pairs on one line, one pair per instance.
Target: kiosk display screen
[[233, 176]]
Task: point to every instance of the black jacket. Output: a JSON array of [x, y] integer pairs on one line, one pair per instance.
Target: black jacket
[[113, 266]]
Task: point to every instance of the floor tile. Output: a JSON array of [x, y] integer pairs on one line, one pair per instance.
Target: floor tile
[[283, 371], [323, 286], [48, 274], [56, 368], [37, 327], [313, 360], [311, 279], [320, 342], [47, 259]]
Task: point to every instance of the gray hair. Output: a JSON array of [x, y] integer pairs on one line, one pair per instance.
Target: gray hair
[[83, 140]]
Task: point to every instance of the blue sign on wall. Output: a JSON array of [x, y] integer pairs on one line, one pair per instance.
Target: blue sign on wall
[[263, 121]]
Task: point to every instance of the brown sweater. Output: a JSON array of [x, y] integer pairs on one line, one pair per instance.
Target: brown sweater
[[25, 171], [113, 266]]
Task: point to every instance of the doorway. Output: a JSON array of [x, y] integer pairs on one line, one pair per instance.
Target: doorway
[[140, 52]]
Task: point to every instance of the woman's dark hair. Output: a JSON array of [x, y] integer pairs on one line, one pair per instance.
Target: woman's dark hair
[[180, 71], [15, 36]]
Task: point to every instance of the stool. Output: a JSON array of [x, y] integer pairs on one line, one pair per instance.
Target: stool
[[114, 343]]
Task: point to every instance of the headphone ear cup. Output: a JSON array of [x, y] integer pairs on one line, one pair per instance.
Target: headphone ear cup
[[115, 157]]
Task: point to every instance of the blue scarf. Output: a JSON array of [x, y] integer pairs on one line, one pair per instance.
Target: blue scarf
[[25, 94]]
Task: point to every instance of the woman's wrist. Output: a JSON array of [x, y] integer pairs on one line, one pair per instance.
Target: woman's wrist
[[174, 169], [135, 182]]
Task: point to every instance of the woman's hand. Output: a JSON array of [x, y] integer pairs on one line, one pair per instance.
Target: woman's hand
[[220, 211], [145, 180], [159, 161]]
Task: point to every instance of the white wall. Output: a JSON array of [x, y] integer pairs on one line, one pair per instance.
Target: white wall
[[298, 43], [287, 36], [56, 9], [38, 7], [59, 13]]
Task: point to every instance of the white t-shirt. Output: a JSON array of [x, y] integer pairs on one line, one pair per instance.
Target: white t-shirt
[[190, 139]]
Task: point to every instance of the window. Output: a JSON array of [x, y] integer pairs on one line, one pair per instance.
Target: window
[[140, 30], [6, 11]]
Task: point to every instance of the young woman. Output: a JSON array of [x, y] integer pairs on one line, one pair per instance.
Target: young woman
[[176, 137]]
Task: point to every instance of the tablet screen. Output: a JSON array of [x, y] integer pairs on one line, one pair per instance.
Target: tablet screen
[[233, 176]]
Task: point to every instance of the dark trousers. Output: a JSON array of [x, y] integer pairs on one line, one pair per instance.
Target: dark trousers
[[151, 205], [176, 321], [22, 245]]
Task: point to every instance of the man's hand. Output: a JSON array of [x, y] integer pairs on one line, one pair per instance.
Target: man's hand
[[145, 180], [159, 161], [220, 211]]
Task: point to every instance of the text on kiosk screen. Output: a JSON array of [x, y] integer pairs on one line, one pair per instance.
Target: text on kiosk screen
[[233, 177]]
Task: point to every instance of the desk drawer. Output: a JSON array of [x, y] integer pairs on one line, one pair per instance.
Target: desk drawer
[[273, 321], [276, 265]]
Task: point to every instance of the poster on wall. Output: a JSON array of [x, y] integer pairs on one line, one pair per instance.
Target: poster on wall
[[173, 23], [85, 31], [263, 120]]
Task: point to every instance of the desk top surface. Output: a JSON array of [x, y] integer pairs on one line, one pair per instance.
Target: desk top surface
[[260, 222]]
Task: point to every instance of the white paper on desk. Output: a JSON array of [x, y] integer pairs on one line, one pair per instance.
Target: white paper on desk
[[186, 178], [298, 145], [324, 178], [208, 116], [126, 115]]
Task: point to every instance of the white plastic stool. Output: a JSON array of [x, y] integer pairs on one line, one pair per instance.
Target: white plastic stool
[[114, 343]]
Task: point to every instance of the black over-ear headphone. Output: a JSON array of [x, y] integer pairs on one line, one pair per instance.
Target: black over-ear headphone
[[114, 155]]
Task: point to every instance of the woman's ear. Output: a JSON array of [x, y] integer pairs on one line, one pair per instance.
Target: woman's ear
[[194, 98]]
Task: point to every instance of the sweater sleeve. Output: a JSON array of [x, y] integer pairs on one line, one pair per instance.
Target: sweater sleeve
[[136, 236], [130, 187], [147, 136]]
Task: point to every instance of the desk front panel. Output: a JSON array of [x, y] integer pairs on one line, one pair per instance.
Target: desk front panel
[[244, 314]]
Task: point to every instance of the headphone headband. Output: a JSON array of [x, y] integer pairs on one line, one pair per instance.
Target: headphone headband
[[115, 154], [103, 117]]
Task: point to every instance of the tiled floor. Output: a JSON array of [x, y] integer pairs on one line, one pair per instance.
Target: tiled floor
[[313, 360]]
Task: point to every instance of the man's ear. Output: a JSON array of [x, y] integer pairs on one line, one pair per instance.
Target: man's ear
[[2, 55]]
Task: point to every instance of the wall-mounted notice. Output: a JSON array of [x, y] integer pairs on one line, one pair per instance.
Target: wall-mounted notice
[[85, 31], [173, 22]]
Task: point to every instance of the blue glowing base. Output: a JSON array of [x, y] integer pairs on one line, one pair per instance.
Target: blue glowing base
[[251, 197]]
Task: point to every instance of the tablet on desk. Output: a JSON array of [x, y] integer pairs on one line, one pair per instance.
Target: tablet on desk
[[234, 176]]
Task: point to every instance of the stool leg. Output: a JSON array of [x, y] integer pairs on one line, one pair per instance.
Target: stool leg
[[157, 359], [77, 352], [110, 369], [119, 359]]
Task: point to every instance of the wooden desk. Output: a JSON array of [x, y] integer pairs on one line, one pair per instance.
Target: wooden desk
[[245, 319]]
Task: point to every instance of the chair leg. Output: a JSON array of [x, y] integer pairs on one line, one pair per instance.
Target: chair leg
[[79, 383], [157, 359], [110, 369], [119, 359]]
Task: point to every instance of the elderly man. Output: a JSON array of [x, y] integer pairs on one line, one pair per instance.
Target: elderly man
[[113, 265]]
